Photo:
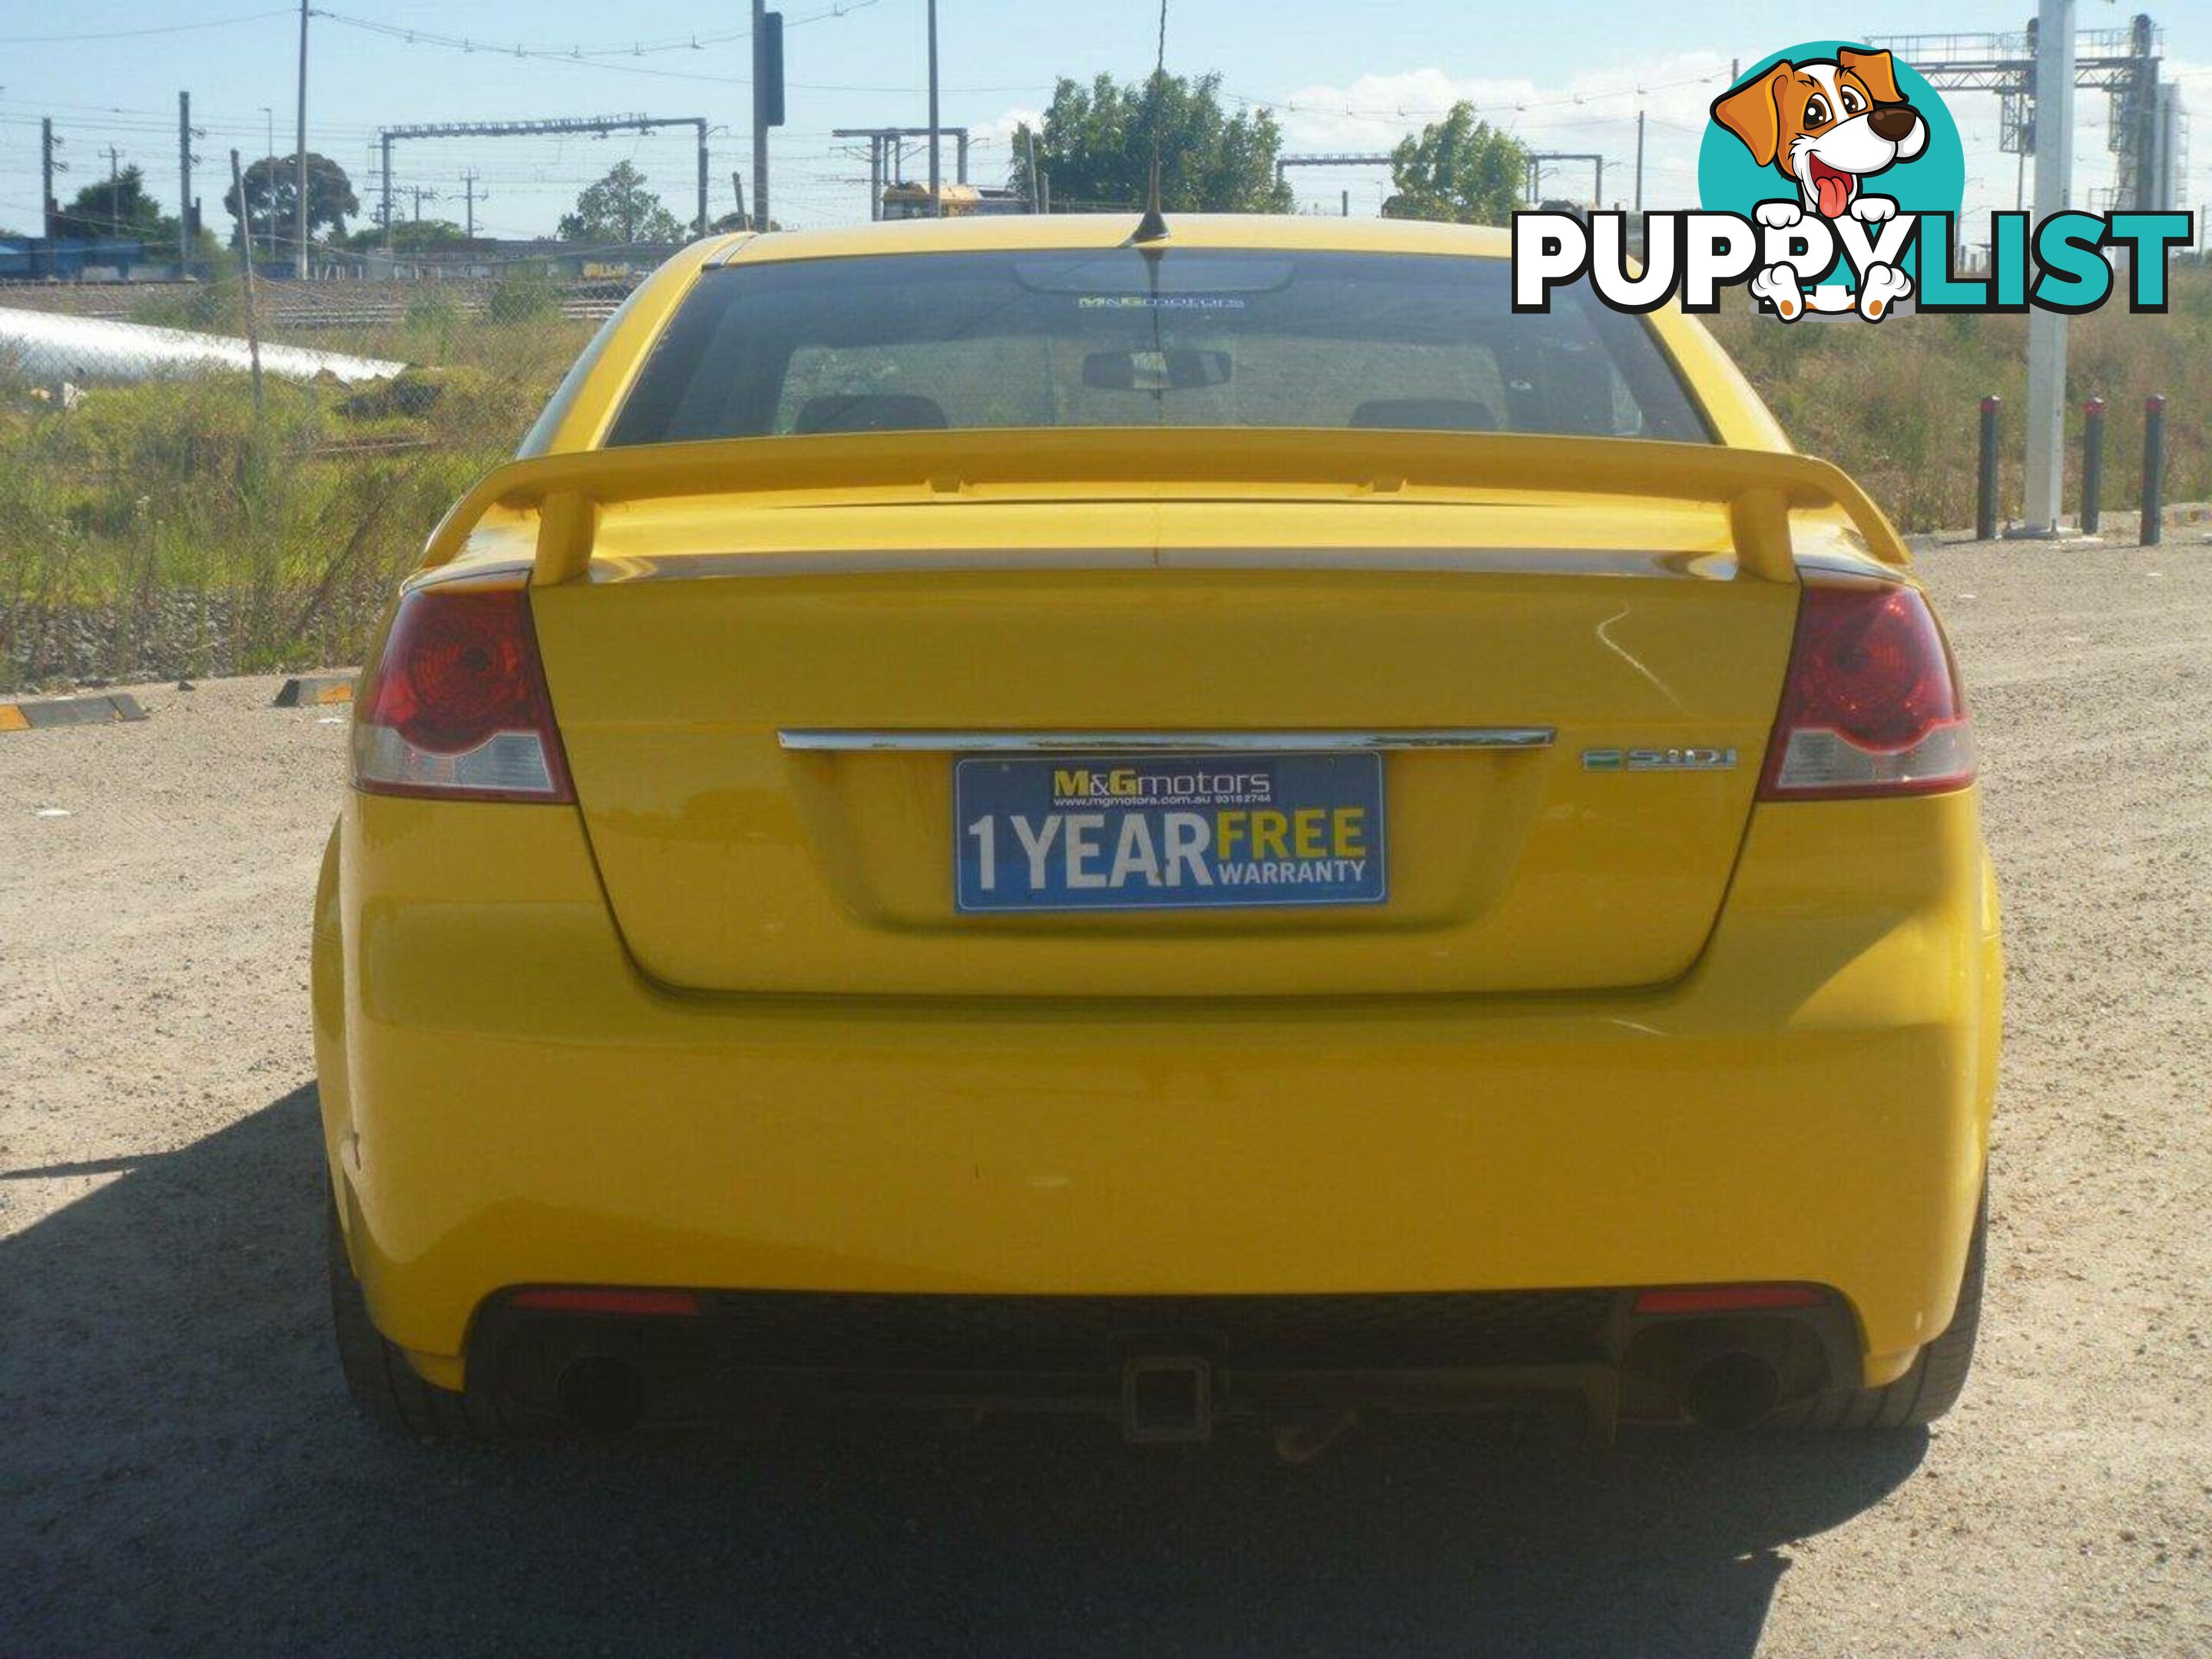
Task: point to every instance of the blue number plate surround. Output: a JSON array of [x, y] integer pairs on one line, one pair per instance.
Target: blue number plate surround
[[1167, 832]]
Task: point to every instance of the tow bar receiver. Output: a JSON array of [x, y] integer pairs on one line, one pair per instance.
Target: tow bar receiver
[[1167, 1397]]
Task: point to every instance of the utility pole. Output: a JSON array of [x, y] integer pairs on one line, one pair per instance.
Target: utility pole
[[702, 229], [185, 182], [1639, 159], [2046, 330], [384, 173], [50, 208], [246, 270], [738, 184], [469, 195], [300, 175], [936, 177], [269, 131], [759, 114], [1347, 204], [114, 192], [1037, 183]]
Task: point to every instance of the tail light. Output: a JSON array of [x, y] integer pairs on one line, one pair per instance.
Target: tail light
[[456, 705], [1873, 706]]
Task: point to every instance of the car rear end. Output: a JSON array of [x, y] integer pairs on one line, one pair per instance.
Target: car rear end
[[996, 820]]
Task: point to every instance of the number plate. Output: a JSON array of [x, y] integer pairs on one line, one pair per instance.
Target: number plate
[[1167, 832]]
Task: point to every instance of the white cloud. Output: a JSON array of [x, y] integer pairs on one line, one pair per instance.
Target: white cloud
[[996, 138], [1596, 111], [1593, 111]]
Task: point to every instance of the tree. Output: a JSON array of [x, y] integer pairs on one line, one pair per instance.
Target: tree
[[117, 207], [272, 197], [1094, 148], [1459, 168], [410, 236], [620, 208]]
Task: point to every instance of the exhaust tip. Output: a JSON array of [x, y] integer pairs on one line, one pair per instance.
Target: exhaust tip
[[1731, 1390], [600, 1394]]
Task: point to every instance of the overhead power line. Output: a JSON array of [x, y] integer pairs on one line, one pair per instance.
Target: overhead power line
[[608, 58], [602, 56], [133, 34], [1518, 106]]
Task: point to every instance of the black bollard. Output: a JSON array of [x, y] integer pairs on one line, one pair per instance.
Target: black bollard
[[2093, 464], [1986, 498], [2153, 494]]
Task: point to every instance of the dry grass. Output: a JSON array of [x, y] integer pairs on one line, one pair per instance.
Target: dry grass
[[1896, 403]]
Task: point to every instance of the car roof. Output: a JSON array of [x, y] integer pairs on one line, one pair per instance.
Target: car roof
[[980, 231]]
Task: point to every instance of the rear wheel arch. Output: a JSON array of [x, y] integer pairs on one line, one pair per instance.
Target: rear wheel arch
[[384, 1386], [1934, 1382], [327, 983]]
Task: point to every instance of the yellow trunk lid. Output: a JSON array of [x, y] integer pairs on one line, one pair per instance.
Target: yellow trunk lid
[[696, 603], [734, 862]]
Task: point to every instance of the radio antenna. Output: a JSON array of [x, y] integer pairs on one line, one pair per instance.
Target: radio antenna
[[1153, 227]]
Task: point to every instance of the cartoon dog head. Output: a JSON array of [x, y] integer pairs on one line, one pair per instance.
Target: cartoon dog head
[[1825, 123]]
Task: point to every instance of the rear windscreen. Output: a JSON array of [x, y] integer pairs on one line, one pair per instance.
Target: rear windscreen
[[1195, 336]]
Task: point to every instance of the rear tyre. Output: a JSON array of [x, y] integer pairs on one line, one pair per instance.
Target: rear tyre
[[1924, 1393], [385, 1388]]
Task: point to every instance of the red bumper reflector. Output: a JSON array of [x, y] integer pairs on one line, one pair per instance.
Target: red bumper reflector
[[593, 1299], [1727, 1298]]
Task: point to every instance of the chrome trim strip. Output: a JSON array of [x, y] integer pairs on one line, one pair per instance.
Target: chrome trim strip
[[613, 566], [824, 740]]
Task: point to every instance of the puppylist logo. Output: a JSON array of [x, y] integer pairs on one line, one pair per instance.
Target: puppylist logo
[[1856, 150], [1831, 178]]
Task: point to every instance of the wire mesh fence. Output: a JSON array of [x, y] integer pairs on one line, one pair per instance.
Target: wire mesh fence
[[74, 335], [364, 303], [157, 517], [52, 350]]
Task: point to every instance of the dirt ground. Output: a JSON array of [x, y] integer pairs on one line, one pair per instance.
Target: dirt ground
[[179, 1473]]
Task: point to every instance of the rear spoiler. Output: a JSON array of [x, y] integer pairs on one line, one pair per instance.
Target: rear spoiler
[[1760, 489]]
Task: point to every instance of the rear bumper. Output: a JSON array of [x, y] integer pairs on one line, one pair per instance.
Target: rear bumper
[[1166, 1367], [507, 1100]]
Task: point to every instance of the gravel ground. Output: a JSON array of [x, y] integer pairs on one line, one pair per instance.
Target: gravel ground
[[181, 631], [179, 1474]]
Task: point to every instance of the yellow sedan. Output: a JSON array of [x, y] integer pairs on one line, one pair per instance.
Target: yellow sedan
[[996, 815]]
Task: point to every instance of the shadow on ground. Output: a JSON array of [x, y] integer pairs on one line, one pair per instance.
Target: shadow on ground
[[179, 1474]]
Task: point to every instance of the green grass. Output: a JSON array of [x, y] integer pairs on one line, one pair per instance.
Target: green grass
[[159, 528]]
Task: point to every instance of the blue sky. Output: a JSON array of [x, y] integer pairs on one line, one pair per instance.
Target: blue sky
[[1351, 75]]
